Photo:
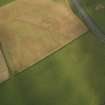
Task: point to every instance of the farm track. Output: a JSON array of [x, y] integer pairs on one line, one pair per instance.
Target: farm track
[[88, 20]]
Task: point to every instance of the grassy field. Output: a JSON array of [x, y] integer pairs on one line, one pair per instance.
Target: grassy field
[[96, 9], [3, 2], [36, 29], [74, 75]]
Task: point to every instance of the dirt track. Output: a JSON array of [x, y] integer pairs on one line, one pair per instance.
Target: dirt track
[[31, 30]]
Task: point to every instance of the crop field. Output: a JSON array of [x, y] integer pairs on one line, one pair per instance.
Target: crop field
[[75, 75], [31, 30], [96, 9]]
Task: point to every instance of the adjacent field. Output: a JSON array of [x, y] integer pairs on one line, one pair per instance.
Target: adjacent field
[[96, 9], [31, 30], [73, 76]]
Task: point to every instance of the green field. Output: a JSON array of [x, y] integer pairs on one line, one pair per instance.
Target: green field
[[75, 75], [96, 9], [3, 2]]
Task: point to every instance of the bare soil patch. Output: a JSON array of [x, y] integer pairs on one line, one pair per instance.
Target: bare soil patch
[[32, 29]]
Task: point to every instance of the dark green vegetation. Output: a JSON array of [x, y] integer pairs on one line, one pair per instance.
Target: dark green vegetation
[[3, 2], [74, 75], [96, 9]]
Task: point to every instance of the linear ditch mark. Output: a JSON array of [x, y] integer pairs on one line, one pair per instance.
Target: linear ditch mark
[[76, 5]]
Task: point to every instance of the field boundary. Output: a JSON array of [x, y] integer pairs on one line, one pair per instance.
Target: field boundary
[[6, 3], [34, 64]]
